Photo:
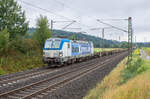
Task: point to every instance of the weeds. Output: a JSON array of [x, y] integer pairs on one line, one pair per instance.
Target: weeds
[[135, 67], [131, 70], [2, 72]]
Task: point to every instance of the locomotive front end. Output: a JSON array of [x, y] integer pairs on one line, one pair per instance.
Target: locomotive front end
[[52, 52]]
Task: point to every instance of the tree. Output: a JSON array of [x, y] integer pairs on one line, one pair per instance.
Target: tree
[[73, 37], [43, 32], [12, 18], [124, 45]]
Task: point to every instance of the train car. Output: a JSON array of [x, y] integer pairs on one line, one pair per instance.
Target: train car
[[59, 51]]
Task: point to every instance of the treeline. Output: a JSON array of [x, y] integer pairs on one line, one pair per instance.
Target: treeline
[[79, 36], [143, 44]]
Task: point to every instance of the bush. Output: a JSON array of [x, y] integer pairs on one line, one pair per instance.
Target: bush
[[18, 44], [4, 41], [2, 72], [137, 52], [131, 70], [23, 45], [136, 66], [144, 67]]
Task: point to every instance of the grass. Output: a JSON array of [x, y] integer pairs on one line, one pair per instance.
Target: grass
[[18, 62], [147, 50], [21, 54], [125, 81], [132, 69], [136, 88]]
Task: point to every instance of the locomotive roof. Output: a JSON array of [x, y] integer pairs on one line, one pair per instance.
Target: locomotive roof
[[57, 39], [77, 41]]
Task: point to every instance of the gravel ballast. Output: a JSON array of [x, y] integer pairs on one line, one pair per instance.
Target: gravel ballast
[[79, 88], [25, 82]]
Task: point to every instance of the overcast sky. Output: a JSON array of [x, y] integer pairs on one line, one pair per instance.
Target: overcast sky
[[85, 12]]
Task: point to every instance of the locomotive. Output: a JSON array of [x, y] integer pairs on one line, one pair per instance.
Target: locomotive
[[60, 51]]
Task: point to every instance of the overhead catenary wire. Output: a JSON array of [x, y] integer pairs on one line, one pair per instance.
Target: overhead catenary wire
[[112, 26], [46, 10], [62, 16], [67, 6]]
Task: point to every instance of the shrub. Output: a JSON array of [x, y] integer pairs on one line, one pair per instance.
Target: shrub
[[144, 67], [131, 70], [136, 66], [4, 41], [2, 72], [18, 44], [23, 45], [137, 52]]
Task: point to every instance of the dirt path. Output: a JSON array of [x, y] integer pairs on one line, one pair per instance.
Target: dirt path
[[144, 55]]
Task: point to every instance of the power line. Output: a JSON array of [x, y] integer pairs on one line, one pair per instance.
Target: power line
[[29, 4], [112, 26], [80, 11], [113, 19], [46, 10], [67, 6], [68, 24]]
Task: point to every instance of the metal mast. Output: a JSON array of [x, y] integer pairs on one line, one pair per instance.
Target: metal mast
[[102, 38], [130, 39]]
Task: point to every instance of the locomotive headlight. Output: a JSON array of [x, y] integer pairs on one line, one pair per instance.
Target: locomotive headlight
[[60, 53]]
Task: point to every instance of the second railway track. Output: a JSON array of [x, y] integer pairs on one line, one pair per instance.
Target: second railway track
[[43, 86]]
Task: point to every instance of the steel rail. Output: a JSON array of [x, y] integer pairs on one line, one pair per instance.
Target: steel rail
[[54, 77], [49, 79], [68, 80]]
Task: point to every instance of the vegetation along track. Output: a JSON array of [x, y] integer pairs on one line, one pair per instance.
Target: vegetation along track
[[52, 83]]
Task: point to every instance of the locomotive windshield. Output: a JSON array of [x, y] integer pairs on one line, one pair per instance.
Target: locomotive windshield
[[52, 44]]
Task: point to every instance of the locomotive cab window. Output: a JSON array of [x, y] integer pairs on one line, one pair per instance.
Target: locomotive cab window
[[52, 44], [75, 49]]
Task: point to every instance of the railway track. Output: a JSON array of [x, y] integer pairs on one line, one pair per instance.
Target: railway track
[[18, 79], [38, 89], [14, 83], [55, 76], [25, 77], [9, 76]]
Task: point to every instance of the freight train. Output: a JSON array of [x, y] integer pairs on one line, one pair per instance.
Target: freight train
[[61, 51]]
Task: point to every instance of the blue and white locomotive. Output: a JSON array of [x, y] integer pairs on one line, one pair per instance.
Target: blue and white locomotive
[[61, 51]]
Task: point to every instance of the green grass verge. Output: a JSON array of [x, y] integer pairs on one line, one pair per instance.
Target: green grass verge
[[16, 63], [125, 81], [147, 50]]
